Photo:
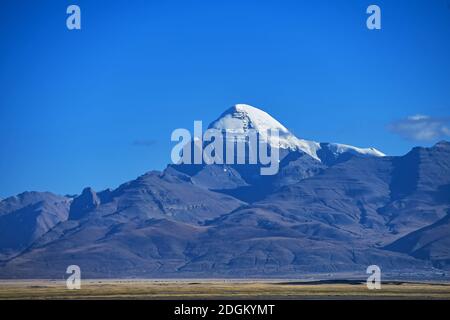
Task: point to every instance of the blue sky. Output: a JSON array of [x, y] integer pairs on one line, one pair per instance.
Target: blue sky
[[96, 107]]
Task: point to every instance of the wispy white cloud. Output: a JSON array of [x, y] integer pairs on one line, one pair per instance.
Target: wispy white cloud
[[421, 127]]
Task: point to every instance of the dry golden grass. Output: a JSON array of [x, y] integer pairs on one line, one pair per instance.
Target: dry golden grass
[[148, 289]]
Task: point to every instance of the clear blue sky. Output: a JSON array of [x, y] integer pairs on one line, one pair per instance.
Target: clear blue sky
[[96, 107]]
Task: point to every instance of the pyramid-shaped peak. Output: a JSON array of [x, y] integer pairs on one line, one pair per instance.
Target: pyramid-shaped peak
[[243, 116], [242, 107]]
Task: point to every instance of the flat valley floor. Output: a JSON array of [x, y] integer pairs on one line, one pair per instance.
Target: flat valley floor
[[218, 289]]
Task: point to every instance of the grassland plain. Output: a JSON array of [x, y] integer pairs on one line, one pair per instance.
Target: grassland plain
[[218, 289]]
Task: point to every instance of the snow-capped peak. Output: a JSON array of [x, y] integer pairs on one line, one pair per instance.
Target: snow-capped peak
[[241, 118]]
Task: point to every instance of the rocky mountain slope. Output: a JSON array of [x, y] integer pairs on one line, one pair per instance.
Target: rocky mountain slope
[[331, 209]]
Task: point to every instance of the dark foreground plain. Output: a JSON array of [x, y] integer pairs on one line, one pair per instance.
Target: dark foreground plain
[[218, 289]]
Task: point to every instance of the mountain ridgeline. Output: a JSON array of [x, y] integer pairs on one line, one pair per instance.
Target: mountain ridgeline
[[329, 212]]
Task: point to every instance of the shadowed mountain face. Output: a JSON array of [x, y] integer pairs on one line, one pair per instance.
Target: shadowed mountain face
[[429, 243], [329, 210], [28, 216]]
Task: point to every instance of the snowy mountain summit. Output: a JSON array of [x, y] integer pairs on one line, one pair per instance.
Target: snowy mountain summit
[[242, 117]]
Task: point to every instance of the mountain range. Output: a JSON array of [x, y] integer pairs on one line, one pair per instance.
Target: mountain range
[[331, 210]]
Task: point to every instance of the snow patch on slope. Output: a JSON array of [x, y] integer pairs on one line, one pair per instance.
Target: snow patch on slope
[[339, 148]]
